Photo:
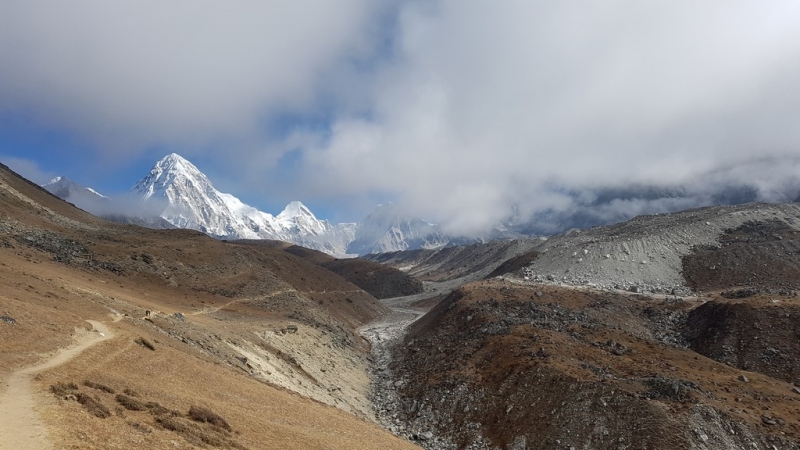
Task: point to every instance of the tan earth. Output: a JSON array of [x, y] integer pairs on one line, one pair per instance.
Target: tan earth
[[20, 426], [244, 347]]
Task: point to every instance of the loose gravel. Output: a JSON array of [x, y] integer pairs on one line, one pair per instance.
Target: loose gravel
[[644, 254]]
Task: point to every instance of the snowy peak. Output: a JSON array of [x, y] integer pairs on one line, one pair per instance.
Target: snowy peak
[[389, 229], [191, 201], [83, 197], [296, 216], [175, 163], [63, 187], [296, 209], [170, 171]]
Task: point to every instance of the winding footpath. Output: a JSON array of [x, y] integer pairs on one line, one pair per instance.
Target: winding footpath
[[20, 425]]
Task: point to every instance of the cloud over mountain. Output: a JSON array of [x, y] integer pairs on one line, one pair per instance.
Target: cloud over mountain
[[491, 104], [462, 112]]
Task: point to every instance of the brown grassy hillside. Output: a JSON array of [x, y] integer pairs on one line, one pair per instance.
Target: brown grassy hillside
[[234, 335], [379, 280]]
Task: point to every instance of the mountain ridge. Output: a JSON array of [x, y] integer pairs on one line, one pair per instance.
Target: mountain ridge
[[193, 202], [175, 193], [388, 229]]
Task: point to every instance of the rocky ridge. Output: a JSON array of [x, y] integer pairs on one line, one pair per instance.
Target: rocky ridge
[[667, 331], [645, 254], [513, 366]]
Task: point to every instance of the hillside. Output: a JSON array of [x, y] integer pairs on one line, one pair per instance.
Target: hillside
[[467, 262], [379, 280], [506, 365], [643, 254], [204, 344], [670, 331], [674, 331]]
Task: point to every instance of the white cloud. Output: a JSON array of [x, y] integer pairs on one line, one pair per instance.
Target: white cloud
[[28, 169], [489, 103], [128, 75], [474, 107]]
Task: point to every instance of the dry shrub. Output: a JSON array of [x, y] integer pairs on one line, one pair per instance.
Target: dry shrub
[[145, 343], [130, 403], [130, 392], [172, 424], [140, 427], [92, 405], [196, 435], [158, 410], [205, 415], [98, 386], [61, 389]]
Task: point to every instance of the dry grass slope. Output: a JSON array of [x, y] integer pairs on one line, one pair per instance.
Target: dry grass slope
[[60, 266]]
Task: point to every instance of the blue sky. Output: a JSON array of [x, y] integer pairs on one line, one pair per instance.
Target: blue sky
[[459, 111]]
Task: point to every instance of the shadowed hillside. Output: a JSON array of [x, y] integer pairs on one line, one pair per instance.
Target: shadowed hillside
[[379, 280]]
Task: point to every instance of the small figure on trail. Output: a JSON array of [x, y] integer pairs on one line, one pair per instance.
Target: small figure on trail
[[147, 313]]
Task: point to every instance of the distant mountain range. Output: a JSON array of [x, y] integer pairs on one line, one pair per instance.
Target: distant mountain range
[[176, 194], [74, 193]]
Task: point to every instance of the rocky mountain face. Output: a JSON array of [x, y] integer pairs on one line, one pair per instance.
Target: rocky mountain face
[[645, 254], [499, 365], [463, 262]]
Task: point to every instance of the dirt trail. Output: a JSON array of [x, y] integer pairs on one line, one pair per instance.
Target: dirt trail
[[20, 426], [213, 309]]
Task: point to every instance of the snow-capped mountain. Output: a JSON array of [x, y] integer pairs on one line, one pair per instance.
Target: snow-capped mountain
[[191, 201], [301, 227], [177, 194], [387, 229], [83, 197]]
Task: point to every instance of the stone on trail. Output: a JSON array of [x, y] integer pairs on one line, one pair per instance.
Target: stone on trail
[[743, 378]]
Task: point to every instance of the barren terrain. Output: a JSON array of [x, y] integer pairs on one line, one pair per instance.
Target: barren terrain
[[507, 365], [243, 347], [645, 254], [665, 332]]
